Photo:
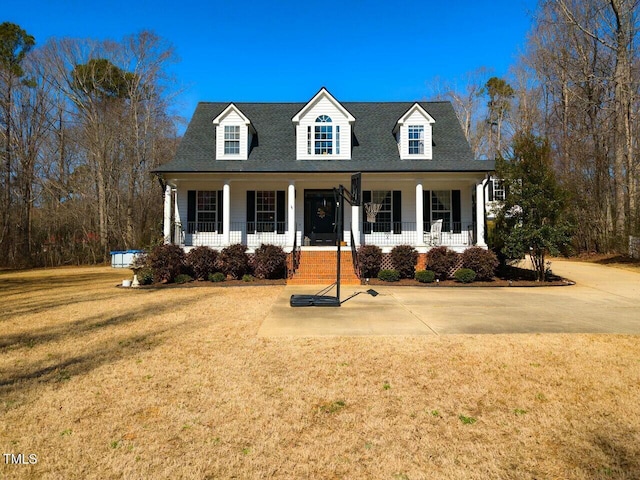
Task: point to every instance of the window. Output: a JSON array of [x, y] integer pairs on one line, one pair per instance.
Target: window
[[441, 208], [416, 139], [207, 211], [265, 211], [384, 216], [232, 140], [323, 139], [498, 189]]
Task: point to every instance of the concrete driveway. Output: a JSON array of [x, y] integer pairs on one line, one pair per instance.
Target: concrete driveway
[[603, 300]]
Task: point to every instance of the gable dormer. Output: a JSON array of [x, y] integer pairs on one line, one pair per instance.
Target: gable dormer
[[323, 129], [414, 134], [233, 134]]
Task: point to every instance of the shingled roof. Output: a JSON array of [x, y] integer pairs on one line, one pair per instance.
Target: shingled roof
[[374, 148]]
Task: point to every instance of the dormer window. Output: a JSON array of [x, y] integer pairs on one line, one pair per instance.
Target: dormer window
[[234, 134], [323, 138], [232, 139], [414, 134], [323, 129], [416, 139]]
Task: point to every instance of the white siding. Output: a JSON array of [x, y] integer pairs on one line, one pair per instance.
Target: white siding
[[324, 106]]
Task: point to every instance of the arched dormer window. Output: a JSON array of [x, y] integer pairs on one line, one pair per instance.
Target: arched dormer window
[[325, 140]]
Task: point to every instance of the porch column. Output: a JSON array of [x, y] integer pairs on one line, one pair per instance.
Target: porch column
[[355, 224], [480, 214], [419, 216], [226, 212], [167, 214], [291, 209]]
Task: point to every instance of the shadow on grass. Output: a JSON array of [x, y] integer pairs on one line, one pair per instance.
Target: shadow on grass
[[29, 296], [518, 274], [619, 259], [618, 454], [78, 327], [25, 377]]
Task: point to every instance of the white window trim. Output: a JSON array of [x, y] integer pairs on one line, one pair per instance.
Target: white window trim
[[231, 138], [442, 212], [420, 139], [199, 211]]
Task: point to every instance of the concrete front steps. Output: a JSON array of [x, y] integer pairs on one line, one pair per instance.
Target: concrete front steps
[[319, 268]]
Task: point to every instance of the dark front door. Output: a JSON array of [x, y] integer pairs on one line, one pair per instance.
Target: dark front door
[[320, 217]]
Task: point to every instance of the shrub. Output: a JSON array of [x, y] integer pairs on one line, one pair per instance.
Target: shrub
[[404, 259], [465, 275], [369, 260], [145, 275], [183, 278], [389, 275], [425, 276], [270, 261], [201, 262], [248, 278], [217, 277], [441, 260], [234, 261], [483, 262], [167, 262]]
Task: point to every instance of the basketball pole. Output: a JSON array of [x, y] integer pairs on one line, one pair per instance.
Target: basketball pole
[[341, 195]]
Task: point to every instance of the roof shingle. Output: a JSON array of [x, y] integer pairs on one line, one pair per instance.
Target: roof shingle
[[374, 148]]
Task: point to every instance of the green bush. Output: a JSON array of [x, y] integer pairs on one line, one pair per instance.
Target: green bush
[[145, 275], [248, 278], [389, 275], [183, 278], [465, 275], [404, 259], [167, 262], [234, 261], [483, 262], [201, 262], [441, 260], [270, 261], [369, 260], [425, 276], [217, 277]]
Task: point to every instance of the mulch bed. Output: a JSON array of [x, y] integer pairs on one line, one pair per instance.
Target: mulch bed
[[505, 277], [227, 283]]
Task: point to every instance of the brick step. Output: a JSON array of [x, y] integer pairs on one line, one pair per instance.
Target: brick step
[[319, 268]]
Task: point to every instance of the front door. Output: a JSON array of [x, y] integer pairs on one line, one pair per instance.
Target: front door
[[319, 217]]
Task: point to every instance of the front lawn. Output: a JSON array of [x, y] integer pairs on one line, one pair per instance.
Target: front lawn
[[105, 382]]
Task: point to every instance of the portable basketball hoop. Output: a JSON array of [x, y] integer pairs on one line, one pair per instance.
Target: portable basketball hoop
[[321, 299]]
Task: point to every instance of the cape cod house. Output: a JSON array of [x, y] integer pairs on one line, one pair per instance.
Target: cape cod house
[[258, 173]]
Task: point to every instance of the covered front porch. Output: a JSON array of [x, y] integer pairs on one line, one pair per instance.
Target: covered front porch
[[422, 210]]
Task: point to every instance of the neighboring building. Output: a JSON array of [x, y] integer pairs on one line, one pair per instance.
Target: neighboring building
[[257, 173]]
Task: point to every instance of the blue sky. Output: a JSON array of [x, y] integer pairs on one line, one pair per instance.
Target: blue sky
[[285, 50]]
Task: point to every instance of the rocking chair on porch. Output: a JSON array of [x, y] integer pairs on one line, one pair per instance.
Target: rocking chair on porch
[[435, 234]]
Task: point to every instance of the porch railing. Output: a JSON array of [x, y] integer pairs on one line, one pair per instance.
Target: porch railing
[[389, 233], [252, 234], [383, 234], [452, 234]]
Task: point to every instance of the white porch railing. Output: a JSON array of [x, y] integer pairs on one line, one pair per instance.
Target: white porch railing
[[254, 234]]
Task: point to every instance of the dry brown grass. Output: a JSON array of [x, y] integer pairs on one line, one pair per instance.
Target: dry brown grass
[[102, 382]]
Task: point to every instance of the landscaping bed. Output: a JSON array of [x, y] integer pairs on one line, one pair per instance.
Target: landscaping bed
[[505, 277]]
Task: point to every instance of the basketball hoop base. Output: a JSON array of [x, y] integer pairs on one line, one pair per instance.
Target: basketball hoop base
[[314, 301]]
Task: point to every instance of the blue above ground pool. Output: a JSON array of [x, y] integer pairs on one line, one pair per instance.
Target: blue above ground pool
[[124, 258]]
